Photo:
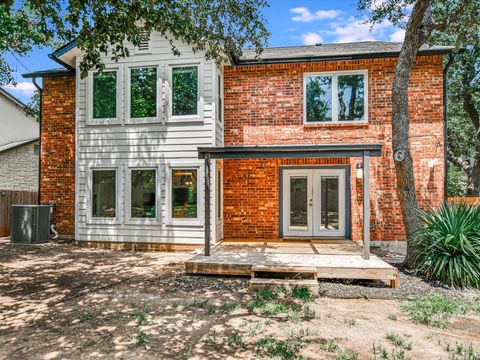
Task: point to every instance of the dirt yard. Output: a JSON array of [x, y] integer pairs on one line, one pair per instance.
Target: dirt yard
[[66, 302]]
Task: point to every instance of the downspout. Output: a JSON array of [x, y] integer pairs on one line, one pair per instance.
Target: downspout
[[34, 80], [445, 123]]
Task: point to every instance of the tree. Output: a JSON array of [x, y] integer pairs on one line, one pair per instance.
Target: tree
[[419, 22], [33, 106], [464, 113], [219, 27]]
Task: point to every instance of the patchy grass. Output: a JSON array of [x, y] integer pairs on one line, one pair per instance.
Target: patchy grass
[[462, 352], [302, 293], [230, 307], [328, 345], [235, 340], [280, 349], [196, 303], [437, 310], [141, 338], [379, 352], [212, 309], [350, 322], [347, 355], [399, 341], [85, 317], [140, 316], [392, 317]]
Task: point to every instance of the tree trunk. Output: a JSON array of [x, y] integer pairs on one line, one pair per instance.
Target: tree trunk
[[417, 32], [474, 183]]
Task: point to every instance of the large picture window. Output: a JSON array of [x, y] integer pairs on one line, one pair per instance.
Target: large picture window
[[337, 97], [143, 194], [143, 92], [184, 194], [105, 95], [104, 189], [184, 90]]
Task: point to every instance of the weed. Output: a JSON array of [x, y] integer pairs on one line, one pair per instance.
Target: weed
[[302, 293], [212, 309], [235, 340], [141, 338], [176, 303], [328, 345], [347, 355], [230, 307], [85, 317], [399, 341], [392, 317], [350, 322], [280, 349], [198, 303], [140, 316], [462, 352], [197, 317], [187, 354], [364, 294], [437, 310], [379, 352], [256, 328]]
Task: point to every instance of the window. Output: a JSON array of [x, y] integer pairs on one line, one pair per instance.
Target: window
[[104, 185], [337, 97], [184, 90], [184, 194], [143, 194], [105, 95], [143, 92]]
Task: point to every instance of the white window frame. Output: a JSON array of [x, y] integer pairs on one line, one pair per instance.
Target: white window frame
[[128, 195], [334, 75], [168, 195], [184, 118], [104, 220], [143, 120], [105, 121], [220, 107]]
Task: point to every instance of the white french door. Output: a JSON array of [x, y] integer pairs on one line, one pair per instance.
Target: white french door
[[314, 202]]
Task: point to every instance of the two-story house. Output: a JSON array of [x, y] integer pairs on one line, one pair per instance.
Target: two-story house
[[175, 150]]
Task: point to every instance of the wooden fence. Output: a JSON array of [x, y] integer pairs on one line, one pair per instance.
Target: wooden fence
[[9, 198], [468, 200]]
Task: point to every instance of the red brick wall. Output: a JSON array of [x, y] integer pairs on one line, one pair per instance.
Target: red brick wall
[[58, 150], [264, 105]]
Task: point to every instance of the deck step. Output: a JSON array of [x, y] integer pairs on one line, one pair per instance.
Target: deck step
[[284, 271], [264, 283]]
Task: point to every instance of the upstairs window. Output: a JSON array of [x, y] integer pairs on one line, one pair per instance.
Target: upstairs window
[[335, 97], [184, 90], [105, 95], [143, 92]]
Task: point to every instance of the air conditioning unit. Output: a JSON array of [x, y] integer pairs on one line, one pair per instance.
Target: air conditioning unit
[[30, 224]]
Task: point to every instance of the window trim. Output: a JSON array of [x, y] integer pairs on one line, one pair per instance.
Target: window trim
[[105, 121], [128, 195], [169, 101], [334, 75], [220, 100], [103, 220], [142, 120], [168, 194]]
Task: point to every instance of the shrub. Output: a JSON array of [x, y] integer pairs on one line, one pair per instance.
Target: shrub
[[448, 244]]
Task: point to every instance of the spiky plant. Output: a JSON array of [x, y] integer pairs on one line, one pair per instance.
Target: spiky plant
[[448, 244]]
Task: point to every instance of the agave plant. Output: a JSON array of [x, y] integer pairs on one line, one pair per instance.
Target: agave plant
[[448, 244]]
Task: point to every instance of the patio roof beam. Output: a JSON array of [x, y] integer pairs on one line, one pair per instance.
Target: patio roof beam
[[207, 205], [289, 151]]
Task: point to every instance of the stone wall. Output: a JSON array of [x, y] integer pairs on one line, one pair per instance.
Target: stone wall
[[19, 168]]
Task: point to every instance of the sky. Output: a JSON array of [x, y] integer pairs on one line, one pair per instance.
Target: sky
[[291, 22]]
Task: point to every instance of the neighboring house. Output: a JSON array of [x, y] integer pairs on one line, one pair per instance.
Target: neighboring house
[[18, 145], [126, 150]]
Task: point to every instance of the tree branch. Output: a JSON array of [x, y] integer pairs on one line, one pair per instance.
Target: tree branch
[[472, 112], [457, 160]]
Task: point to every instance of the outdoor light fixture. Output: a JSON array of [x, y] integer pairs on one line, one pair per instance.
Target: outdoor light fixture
[[359, 171]]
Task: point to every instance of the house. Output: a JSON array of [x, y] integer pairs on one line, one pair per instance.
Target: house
[[18, 145], [159, 150]]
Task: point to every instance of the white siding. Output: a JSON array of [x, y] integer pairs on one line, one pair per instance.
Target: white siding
[[160, 144]]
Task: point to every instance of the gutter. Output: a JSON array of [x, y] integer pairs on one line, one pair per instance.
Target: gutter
[[445, 123], [40, 90]]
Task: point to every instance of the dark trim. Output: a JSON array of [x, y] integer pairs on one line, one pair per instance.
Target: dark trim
[[348, 209], [40, 90], [289, 151], [65, 48], [445, 124], [49, 73], [19, 145], [57, 60], [302, 59]]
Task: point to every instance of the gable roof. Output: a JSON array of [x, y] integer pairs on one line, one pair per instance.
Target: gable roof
[[12, 98], [331, 52], [15, 144]]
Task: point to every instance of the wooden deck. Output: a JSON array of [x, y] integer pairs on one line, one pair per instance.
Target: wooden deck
[[332, 259]]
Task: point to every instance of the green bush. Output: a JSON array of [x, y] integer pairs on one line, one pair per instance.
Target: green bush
[[448, 245]]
